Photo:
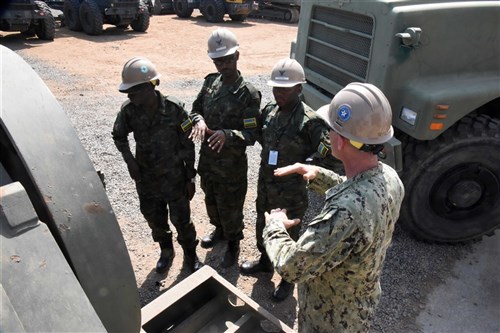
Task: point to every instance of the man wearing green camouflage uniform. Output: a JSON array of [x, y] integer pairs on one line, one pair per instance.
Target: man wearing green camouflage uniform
[[292, 132], [163, 166], [337, 261], [227, 117]]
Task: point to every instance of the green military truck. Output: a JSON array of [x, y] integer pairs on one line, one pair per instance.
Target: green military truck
[[438, 62]]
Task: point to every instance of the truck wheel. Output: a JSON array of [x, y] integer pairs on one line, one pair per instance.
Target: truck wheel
[[91, 17], [182, 9], [238, 17], [214, 11], [453, 182], [141, 23], [71, 10], [294, 17], [46, 28]]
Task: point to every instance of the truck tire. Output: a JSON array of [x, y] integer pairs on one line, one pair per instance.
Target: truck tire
[[181, 8], [141, 23], [91, 17], [46, 28], [295, 14], [71, 10], [238, 17], [453, 182], [214, 11]]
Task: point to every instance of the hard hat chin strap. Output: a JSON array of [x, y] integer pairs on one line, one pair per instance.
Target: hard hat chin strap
[[374, 149]]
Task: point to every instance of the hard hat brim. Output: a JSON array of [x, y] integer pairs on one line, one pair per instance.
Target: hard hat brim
[[284, 84], [223, 53], [124, 87]]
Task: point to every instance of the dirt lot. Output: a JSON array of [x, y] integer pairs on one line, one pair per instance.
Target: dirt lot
[[178, 47]]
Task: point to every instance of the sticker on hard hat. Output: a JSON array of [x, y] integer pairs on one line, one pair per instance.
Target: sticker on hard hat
[[344, 112], [144, 69], [221, 48], [281, 78]]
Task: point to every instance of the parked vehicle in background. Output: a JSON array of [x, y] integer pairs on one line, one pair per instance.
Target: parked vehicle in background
[[278, 10], [30, 18], [214, 10], [90, 15], [162, 7], [441, 74]]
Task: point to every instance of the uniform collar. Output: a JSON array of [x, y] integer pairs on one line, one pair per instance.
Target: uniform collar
[[337, 189]]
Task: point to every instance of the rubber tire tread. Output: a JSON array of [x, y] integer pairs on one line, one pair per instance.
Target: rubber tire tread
[[46, 29], [91, 17], [418, 156], [218, 11], [181, 9], [71, 10], [141, 23]]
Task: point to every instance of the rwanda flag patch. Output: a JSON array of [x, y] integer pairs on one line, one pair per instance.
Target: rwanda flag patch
[[322, 149], [186, 125], [250, 122]]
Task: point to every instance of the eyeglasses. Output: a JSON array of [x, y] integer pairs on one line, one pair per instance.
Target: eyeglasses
[[224, 60]]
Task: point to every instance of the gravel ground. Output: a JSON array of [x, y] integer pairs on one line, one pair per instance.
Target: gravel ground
[[412, 268]]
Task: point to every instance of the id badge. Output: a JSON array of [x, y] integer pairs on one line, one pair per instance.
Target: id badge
[[273, 157]]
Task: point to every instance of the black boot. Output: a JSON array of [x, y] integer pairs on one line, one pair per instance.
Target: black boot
[[211, 239], [191, 259], [282, 291], [262, 265], [232, 253], [166, 256]]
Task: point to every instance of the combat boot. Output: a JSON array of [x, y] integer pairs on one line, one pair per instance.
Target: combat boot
[[191, 259], [211, 239], [282, 291], [232, 253], [262, 265], [166, 256]]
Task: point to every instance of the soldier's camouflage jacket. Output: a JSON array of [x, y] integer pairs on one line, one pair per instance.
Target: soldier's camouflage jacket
[[236, 110], [338, 260], [304, 135], [163, 151]]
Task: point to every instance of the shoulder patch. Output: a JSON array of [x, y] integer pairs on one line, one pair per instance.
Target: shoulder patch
[[322, 149], [250, 122], [186, 125]]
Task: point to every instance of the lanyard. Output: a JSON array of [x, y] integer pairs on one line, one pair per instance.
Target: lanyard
[[281, 130]]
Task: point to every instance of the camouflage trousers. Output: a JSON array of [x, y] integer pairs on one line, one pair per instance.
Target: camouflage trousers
[[224, 203], [155, 210], [271, 195]]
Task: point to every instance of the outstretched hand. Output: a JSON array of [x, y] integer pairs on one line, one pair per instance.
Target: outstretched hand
[[309, 172], [198, 131], [279, 215], [216, 140]]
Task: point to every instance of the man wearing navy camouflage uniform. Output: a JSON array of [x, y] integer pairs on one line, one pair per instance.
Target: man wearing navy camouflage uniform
[[226, 114], [163, 166], [337, 261], [292, 132]]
